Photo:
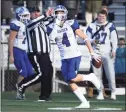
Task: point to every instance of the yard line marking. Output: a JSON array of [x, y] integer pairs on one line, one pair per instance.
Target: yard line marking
[[108, 109], [73, 108], [97, 101], [61, 108]]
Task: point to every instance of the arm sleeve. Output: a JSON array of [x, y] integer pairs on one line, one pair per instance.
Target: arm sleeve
[[14, 27], [113, 37], [52, 32], [114, 40], [36, 21], [43, 18], [89, 34], [48, 20]]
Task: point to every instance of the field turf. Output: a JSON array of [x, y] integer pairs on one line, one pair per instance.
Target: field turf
[[61, 102]]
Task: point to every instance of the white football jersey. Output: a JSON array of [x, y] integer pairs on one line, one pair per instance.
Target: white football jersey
[[65, 38], [106, 37], [20, 40]]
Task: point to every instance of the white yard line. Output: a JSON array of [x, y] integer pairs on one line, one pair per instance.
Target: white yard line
[[103, 101], [72, 108]]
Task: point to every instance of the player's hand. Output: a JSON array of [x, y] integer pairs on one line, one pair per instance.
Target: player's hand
[[11, 59], [50, 12], [96, 56]]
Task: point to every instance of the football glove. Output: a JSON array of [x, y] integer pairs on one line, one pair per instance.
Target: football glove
[[96, 57]]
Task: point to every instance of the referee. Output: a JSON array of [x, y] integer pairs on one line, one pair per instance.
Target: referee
[[38, 53]]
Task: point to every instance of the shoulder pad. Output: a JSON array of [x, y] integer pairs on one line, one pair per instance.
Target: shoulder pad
[[18, 23], [92, 25], [70, 21], [51, 25], [110, 23]]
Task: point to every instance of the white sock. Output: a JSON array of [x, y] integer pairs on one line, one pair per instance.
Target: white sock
[[87, 77], [79, 94], [100, 92]]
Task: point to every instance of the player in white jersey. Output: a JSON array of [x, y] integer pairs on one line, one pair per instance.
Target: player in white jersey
[[105, 44], [18, 44], [64, 32]]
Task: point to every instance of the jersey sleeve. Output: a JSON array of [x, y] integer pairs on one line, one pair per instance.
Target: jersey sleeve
[[89, 34], [75, 25], [113, 37], [41, 19], [14, 27], [52, 32], [112, 27]]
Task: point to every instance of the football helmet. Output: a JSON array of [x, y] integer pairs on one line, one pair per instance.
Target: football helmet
[[62, 16], [22, 14]]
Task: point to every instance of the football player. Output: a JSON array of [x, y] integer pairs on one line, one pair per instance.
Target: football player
[[18, 44], [103, 36], [63, 32]]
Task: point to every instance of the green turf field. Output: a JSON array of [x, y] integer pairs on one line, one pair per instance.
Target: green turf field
[[61, 102]]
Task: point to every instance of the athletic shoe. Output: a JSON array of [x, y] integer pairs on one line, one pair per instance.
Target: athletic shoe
[[20, 95], [113, 96], [94, 80], [100, 96], [104, 94], [84, 105], [43, 99]]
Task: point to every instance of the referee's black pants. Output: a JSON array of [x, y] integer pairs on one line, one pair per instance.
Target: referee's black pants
[[44, 72]]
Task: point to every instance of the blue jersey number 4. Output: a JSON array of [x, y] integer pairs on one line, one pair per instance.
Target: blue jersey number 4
[[23, 42], [65, 40]]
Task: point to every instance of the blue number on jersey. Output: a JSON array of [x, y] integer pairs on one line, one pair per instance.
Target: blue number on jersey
[[65, 40], [23, 42], [103, 36]]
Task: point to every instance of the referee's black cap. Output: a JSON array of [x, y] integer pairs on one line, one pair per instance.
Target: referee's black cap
[[33, 9]]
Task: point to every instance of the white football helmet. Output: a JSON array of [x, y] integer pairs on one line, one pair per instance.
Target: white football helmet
[[22, 14], [63, 16]]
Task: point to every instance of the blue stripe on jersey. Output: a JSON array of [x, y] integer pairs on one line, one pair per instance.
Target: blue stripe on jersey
[[14, 27], [75, 25], [49, 30], [89, 29], [112, 28]]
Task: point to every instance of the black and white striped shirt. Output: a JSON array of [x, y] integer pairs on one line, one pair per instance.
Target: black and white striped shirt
[[37, 37]]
